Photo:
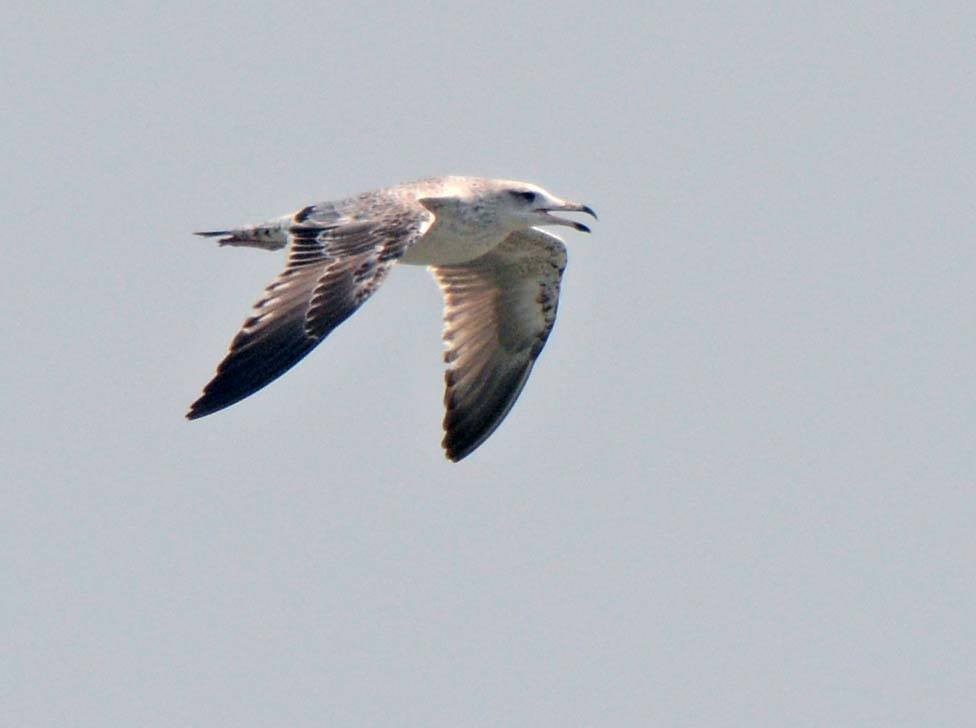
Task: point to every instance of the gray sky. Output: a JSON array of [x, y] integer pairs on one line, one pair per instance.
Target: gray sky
[[738, 489]]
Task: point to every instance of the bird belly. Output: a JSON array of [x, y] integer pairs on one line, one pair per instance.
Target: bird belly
[[444, 246]]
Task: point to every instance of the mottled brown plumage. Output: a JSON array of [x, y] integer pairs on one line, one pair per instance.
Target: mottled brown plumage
[[499, 273]]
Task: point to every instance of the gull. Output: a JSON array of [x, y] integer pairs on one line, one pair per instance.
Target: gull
[[481, 239]]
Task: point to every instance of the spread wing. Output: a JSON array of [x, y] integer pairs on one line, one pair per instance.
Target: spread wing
[[498, 312], [336, 261]]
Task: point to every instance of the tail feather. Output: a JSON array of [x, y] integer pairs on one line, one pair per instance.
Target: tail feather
[[264, 237]]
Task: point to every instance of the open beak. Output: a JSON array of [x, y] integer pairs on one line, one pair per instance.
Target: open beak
[[568, 207]]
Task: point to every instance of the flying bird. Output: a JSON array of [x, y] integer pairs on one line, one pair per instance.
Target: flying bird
[[481, 239]]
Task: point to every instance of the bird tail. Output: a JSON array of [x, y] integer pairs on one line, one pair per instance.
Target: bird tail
[[260, 236]]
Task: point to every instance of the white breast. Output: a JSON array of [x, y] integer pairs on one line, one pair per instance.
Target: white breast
[[455, 239]]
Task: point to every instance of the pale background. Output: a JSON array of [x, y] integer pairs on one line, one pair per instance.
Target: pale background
[[737, 491]]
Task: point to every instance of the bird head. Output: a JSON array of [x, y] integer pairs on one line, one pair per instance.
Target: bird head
[[531, 206]]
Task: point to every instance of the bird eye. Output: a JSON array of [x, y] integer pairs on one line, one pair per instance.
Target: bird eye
[[527, 196]]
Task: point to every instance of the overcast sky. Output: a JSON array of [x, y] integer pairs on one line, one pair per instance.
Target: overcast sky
[[738, 490]]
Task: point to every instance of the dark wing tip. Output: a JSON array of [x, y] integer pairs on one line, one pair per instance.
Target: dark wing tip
[[212, 233], [222, 392], [452, 452], [195, 412], [467, 426], [252, 366], [205, 406], [457, 445]]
